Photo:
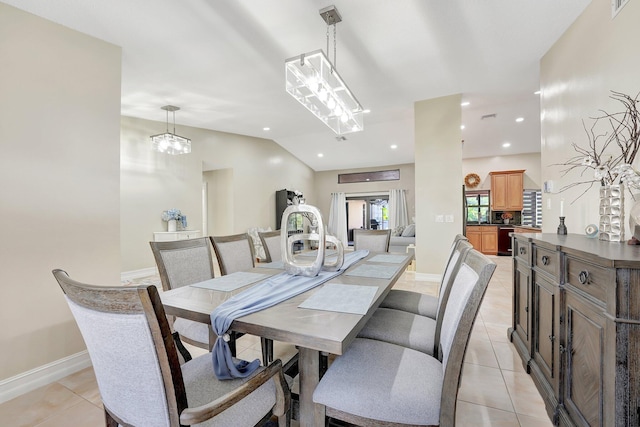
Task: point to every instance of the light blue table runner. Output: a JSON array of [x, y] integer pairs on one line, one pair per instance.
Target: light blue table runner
[[270, 292], [232, 281]]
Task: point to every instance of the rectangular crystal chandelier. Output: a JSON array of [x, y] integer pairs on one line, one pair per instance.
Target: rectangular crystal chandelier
[[170, 143], [316, 84]]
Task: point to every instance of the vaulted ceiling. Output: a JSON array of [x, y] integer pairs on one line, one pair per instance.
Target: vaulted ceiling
[[222, 62]]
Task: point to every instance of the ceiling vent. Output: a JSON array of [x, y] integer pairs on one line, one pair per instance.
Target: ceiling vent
[[616, 6], [488, 116], [341, 138]]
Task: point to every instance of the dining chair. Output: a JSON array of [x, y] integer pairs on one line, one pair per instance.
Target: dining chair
[[181, 263], [376, 383], [371, 240], [272, 244], [413, 330], [416, 302], [235, 253], [139, 376]]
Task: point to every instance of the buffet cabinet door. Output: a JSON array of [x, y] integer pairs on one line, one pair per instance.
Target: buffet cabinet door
[[583, 355]]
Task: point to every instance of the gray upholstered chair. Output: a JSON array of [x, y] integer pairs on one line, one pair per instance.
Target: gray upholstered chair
[[234, 253], [413, 330], [376, 383], [272, 244], [371, 240], [181, 263], [139, 375], [416, 302]]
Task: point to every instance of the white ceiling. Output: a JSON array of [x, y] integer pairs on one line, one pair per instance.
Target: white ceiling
[[222, 62]]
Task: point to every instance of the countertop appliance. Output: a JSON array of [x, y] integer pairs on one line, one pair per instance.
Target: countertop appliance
[[504, 240]]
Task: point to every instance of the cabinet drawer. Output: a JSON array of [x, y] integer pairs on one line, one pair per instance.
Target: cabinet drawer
[[547, 261], [589, 278], [521, 250]]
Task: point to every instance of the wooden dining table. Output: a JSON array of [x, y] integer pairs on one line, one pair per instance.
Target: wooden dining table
[[312, 331]]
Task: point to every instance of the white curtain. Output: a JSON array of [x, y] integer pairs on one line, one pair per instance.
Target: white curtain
[[338, 217], [398, 214]]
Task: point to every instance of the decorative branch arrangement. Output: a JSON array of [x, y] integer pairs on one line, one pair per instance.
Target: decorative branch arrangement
[[607, 168]]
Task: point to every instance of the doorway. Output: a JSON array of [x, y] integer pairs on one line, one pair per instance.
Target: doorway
[[368, 212]]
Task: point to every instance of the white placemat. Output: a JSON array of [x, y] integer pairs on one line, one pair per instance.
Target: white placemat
[[376, 271], [354, 299], [232, 281], [393, 259]]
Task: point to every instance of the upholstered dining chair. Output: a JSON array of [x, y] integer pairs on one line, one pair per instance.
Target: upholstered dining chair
[[139, 375], [235, 253], [411, 330], [181, 263], [371, 240], [376, 383], [419, 303], [272, 244]]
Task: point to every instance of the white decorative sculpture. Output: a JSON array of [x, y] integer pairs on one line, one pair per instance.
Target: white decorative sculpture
[[307, 266]]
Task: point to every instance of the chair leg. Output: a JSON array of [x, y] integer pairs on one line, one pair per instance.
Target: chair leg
[[108, 420], [232, 343]]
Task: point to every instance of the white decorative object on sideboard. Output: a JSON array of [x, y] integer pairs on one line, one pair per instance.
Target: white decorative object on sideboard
[[170, 236]]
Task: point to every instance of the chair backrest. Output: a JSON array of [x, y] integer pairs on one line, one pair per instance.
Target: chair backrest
[[131, 349], [183, 262], [371, 240], [234, 253], [468, 289], [272, 244]]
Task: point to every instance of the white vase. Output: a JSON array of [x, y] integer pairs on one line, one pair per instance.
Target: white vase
[[506, 220], [172, 225], [611, 213]]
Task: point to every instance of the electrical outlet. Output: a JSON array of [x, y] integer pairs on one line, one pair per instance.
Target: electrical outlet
[[439, 218], [448, 218]]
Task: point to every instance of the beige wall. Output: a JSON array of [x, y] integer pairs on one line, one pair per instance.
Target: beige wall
[[242, 173], [438, 156], [326, 182], [483, 165], [595, 55], [60, 113]]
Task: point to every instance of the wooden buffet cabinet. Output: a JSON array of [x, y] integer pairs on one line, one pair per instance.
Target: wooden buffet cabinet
[[506, 190], [484, 238], [576, 326]]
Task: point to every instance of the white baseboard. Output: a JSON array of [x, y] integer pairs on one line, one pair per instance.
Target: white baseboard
[[429, 277], [43, 375], [136, 274]]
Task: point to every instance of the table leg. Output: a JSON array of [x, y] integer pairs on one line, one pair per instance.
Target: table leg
[[309, 370]]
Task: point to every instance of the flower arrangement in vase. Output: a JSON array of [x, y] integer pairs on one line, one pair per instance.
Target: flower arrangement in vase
[[172, 216], [610, 169], [506, 217]]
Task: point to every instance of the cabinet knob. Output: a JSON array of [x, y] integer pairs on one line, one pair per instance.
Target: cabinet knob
[[545, 260], [583, 277], [552, 338], [561, 349], [522, 250]]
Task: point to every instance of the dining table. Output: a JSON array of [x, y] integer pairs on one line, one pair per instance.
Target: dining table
[[325, 319]]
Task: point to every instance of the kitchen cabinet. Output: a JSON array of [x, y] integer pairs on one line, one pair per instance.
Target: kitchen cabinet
[[577, 326], [484, 238], [506, 190]]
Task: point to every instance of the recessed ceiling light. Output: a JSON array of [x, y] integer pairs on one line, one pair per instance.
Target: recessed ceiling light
[[265, 128], [320, 155], [461, 127], [465, 103], [506, 144], [520, 119], [394, 146]]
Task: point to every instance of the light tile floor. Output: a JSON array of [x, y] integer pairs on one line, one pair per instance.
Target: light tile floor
[[495, 389]]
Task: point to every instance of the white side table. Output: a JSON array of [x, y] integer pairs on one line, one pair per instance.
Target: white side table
[[170, 236], [411, 249]]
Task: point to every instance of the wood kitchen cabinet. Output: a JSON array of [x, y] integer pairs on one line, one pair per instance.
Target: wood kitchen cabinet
[[506, 190], [484, 238], [576, 326]]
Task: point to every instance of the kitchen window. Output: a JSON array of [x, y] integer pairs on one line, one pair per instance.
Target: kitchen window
[[477, 207]]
